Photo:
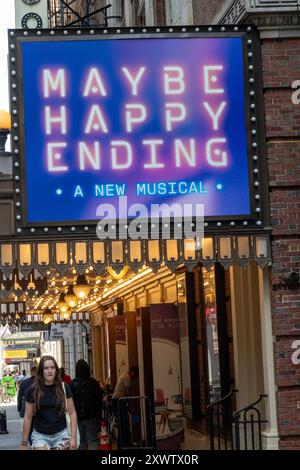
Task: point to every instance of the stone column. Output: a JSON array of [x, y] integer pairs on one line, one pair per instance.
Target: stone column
[[115, 10], [150, 13], [270, 434]]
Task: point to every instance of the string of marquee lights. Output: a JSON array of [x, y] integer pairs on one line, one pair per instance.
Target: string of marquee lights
[[45, 292], [31, 258], [15, 312], [253, 111], [38, 319]]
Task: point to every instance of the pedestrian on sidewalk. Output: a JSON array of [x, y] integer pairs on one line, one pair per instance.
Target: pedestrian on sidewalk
[[124, 383], [9, 382], [64, 377], [21, 377], [87, 396], [125, 388], [48, 402], [24, 387]]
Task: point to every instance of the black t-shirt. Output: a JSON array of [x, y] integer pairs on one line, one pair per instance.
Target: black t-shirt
[[47, 419]]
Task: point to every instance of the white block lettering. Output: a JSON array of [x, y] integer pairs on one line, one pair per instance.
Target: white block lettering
[[178, 114], [54, 80], [173, 80], [52, 155], [93, 156], [211, 155], [209, 79], [134, 81], [114, 154], [296, 354], [135, 113], [58, 119], [296, 94], [188, 154], [153, 156], [94, 84], [95, 120], [215, 115]]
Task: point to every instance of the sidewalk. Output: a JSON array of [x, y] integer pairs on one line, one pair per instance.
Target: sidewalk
[[12, 440]]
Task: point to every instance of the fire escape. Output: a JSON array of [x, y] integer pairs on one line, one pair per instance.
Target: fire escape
[[75, 13]]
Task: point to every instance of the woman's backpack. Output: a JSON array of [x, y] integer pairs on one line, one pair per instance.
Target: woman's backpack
[[88, 400]]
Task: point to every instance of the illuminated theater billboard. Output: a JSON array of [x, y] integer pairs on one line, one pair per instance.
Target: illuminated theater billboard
[[157, 118]]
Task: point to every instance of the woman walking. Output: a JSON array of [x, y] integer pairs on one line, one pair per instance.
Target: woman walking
[[48, 400]]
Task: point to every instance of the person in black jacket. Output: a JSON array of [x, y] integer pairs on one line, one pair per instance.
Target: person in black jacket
[[87, 396], [23, 390], [24, 386]]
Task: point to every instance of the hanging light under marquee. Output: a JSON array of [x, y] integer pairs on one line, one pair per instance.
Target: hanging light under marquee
[[70, 298], [62, 306], [81, 288], [47, 316]]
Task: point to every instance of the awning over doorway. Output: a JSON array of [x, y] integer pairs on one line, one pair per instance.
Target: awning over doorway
[[62, 255]]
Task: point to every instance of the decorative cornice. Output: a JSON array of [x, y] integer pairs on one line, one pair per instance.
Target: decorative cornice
[[263, 13], [232, 13], [267, 21]]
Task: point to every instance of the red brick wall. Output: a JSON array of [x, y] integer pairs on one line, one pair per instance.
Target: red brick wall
[[282, 158], [281, 66]]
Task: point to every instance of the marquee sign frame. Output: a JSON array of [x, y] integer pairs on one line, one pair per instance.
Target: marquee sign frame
[[259, 217]]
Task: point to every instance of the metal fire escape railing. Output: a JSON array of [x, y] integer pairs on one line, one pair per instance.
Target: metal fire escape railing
[[239, 430], [65, 13]]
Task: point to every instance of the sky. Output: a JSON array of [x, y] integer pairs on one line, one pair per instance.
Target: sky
[[7, 20]]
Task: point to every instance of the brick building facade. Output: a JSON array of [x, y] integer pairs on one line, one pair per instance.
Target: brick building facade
[[280, 57], [280, 44], [278, 25], [281, 66]]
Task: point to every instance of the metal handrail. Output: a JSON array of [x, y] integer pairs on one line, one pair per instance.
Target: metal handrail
[[246, 408], [146, 418], [222, 399], [220, 411], [243, 413]]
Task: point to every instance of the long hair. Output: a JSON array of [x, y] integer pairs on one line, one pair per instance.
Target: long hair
[[40, 386]]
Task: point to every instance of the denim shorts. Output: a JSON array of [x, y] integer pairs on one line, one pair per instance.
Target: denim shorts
[[59, 440]]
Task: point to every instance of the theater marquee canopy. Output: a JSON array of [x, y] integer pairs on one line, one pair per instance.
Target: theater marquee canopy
[[157, 117]]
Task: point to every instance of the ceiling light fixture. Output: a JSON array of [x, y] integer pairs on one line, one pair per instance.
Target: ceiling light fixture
[[63, 307], [81, 288], [70, 298]]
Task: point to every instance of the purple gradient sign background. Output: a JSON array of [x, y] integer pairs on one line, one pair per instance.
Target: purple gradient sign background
[[70, 195]]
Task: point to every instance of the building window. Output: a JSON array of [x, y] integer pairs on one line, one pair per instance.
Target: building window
[[211, 334], [160, 12], [168, 12], [141, 14]]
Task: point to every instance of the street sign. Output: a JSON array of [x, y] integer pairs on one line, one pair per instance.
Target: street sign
[[15, 354]]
